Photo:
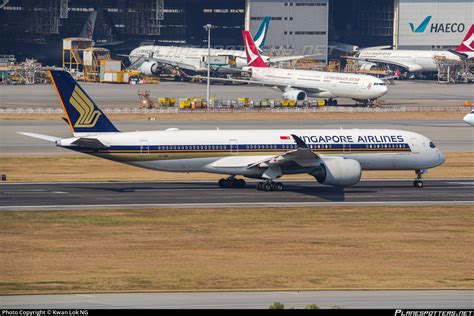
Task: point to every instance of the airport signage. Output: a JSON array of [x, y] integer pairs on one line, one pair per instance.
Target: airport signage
[[438, 27], [432, 24]]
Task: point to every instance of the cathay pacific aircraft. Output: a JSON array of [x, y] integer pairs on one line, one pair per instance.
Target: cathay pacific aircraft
[[298, 84], [334, 157], [152, 58], [417, 60]]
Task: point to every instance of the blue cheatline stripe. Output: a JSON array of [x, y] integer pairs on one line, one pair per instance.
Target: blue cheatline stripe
[[389, 147]]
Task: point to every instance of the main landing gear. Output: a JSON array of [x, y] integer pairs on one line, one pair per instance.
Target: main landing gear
[[330, 102], [418, 183], [269, 185], [231, 182]]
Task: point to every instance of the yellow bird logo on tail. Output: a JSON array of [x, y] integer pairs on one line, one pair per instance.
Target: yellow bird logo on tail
[[87, 115]]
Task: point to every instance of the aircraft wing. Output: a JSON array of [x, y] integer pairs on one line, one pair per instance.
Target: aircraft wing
[[280, 59], [410, 66], [376, 48], [302, 156]]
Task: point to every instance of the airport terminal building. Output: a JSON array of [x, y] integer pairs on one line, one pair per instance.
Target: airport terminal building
[[297, 26]]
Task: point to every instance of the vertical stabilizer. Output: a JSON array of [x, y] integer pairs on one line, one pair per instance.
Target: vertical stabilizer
[[253, 56], [88, 28], [261, 34], [83, 115], [467, 44]]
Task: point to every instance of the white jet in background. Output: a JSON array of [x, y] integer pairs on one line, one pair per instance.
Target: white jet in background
[[151, 59], [298, 84], [469, 118], [416, 60]]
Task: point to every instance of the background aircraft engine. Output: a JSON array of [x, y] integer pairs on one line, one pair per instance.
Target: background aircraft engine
[[150, 68], [294, 94], [338, 172]]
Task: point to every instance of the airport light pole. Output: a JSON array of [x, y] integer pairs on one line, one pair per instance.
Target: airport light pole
[[208, 28]]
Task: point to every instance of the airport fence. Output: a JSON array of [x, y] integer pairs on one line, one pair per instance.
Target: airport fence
[[345, 109]]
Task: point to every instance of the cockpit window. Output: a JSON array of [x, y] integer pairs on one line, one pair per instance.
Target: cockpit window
[[379, 84], [432, 145]]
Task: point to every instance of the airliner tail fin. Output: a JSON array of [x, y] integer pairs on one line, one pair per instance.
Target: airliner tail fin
[[467, 44], [253, 56], [261, 34], [83, 115]]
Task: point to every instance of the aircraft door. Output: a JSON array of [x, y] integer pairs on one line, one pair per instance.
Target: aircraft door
[[234, 146], [414, 146], [346, 148], [363, 85], [144, 147]]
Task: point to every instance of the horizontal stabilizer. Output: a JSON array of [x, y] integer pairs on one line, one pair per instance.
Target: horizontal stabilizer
[[41, 136], [89, 143], [462, 56]]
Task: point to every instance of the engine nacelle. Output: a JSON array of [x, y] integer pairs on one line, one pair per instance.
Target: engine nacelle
[[294, 94], [150, 68], [338, 172]]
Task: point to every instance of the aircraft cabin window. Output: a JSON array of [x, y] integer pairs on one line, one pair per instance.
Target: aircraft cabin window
[[432, 145]]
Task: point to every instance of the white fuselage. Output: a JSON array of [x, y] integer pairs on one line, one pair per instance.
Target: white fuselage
[[188, 55], [324, 84], [422, 60], [232, 151], [469, 118]]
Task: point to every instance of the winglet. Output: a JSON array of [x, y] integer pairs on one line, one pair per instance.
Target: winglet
[[299, 142]]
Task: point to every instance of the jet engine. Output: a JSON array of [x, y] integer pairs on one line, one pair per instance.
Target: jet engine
[[294, 94], [150, 68], [338, 172]]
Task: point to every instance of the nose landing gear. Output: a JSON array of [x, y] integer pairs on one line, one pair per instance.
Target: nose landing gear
[[418, 183]]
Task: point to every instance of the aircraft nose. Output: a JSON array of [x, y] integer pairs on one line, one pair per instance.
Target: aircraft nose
[[439, 158], [469, 119]]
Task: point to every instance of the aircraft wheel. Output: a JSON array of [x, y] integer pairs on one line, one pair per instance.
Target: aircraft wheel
[[334, 102], [241, 183], [221, 183], [272, 186], [229, 183], [267, 187], [259, 186], [418, 184], [279, 186]]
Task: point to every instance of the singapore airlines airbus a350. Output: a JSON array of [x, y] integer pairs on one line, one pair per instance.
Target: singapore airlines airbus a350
[[333, 156]]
